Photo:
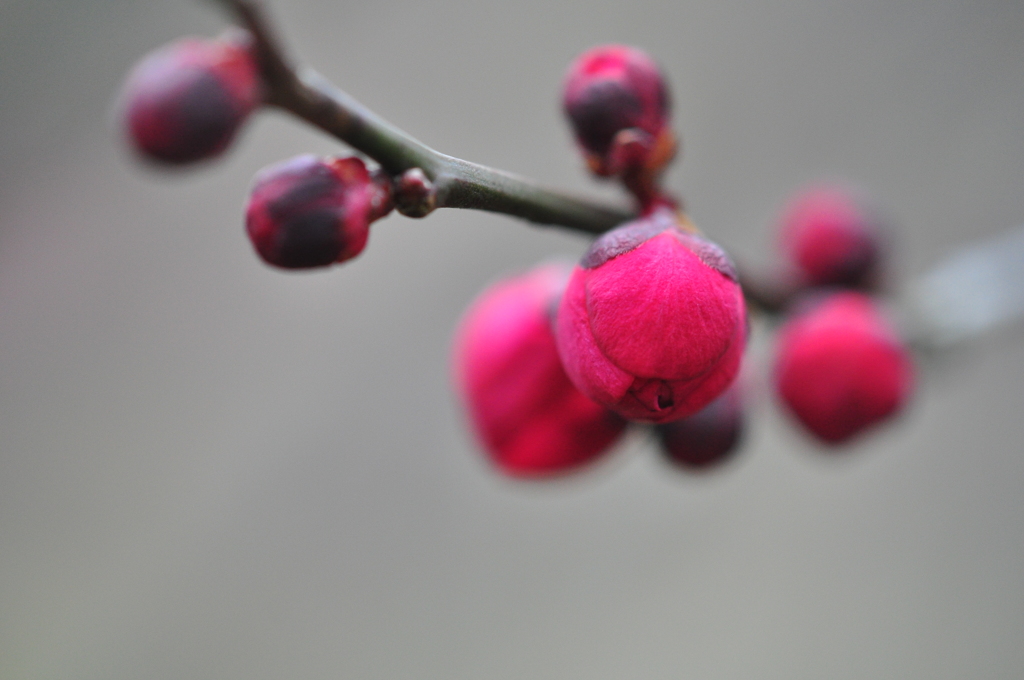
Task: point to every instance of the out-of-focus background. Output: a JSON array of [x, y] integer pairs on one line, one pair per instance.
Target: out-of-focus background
[[209, 469]]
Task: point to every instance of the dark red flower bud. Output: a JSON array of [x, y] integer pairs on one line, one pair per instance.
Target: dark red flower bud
[[653, 323], [618, 104], [529, 418], [708, 437], [312, 212], [186, 101], [841, 368], [833, 236]]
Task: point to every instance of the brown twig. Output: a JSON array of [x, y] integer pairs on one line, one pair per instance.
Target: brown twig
[[454, 183]]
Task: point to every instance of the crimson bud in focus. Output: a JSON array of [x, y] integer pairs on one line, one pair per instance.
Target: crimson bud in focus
[[653, 322]]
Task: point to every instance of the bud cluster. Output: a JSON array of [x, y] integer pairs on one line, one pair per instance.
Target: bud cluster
[[187, 101], [649, 327], [840, 366]]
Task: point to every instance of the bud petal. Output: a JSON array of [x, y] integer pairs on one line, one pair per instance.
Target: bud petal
[[186, 101], [527, 415], [841, 368], [653, 322], [312, 212]]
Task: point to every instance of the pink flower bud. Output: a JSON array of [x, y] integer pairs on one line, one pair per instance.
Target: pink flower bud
[[312, 212], [529, 418], [707, 438], [841, 368], [186, 101], [833, 237], [618, 104], [652, 324]]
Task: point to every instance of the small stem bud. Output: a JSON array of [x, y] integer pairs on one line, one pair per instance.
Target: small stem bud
[[382, 194], [414, 194]]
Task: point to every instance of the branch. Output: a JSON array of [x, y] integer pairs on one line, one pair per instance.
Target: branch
[[974, 291], [450, 182], [766, 293]]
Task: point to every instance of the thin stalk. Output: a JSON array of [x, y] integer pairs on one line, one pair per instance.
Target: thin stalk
[[456, 183]]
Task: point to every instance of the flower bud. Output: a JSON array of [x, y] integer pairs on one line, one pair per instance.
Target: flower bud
[[528, 417], [186, 101], [707, 438], [833, 237], [652, 324], [841, 368], [618, 104], [312, 212]]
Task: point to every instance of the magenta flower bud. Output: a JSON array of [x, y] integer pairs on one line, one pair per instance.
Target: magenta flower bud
[[833, 237], [313, 212], [186, 101], [840, 367], [707, 438], [618, 104], [652, 324], [528, 417]]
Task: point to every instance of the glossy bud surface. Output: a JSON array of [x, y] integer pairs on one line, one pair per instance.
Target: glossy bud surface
[[527, 415]]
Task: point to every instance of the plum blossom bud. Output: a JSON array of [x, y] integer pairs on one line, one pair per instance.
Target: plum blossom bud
[[841, 368], [313, 212], [833, 237], [653, 323], [528, 417], [186, 101], [707, 438], [618, 104]]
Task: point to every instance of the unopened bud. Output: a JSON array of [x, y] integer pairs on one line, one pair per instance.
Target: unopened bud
[[618, 104], [833, 237], [186, 101], [653, 323], [840, 367], [313, 212], [707, 438], [527, 415]]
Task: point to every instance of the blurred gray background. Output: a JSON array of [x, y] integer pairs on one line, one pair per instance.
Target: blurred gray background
[[209, 469]]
